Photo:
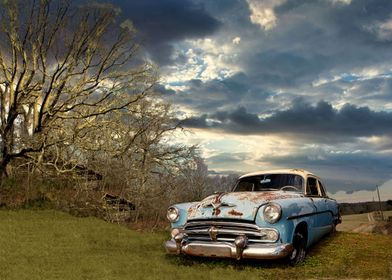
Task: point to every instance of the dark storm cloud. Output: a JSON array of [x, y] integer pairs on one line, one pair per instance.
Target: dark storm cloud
[[320, 123], [221, 94], [164, 22], [314, 38], [195, 122]]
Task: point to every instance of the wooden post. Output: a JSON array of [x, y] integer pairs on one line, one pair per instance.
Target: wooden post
[[379, 203]]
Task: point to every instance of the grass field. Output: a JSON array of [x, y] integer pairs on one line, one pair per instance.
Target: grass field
[[52, 245]]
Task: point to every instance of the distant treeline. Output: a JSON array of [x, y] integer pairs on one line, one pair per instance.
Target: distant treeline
[[364, 207]]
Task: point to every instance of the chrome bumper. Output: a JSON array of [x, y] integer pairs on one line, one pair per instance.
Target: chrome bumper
[[229, 250]]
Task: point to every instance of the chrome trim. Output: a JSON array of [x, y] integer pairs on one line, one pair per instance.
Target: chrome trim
[[212, 232], [227, 231], [229, 250], [217, 223], [240, 243]]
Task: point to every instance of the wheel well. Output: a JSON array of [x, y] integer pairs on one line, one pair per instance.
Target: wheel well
[[302, 228]]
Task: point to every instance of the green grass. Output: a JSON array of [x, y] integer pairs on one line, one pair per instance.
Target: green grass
[[53, 245]]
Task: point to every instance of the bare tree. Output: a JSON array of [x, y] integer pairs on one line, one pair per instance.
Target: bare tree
[[62, 68], [138, 156], [195, 176]]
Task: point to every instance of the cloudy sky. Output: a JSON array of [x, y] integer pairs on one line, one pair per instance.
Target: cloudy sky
[[278, 83]]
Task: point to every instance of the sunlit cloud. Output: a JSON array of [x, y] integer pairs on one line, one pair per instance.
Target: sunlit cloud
[[262, 12], [341, 2], [236, 40], [203, 59]]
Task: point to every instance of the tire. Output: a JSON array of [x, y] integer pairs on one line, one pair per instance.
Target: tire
[[299, 252], [333, 230]]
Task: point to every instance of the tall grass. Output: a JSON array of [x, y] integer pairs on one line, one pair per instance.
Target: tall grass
[[49, 244]]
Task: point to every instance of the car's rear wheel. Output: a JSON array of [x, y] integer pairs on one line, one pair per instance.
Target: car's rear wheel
[[299, 252], [333, 229]]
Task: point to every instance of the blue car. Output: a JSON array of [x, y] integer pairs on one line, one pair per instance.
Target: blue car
[[268, 215]]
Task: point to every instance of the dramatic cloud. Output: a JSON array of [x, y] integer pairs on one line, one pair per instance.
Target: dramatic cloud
[[277, 83], [262, 12], [320, 123], [164, 22]]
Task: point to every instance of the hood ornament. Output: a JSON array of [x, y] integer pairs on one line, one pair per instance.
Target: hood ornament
[[215, 202], [216, 211], [216, 205]]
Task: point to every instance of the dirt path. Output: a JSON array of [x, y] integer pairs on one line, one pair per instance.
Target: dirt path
[[350, 222]]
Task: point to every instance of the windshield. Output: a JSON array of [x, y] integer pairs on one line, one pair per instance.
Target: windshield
[[270, 182]]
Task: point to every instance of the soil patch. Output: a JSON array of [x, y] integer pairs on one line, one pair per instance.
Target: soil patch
[[383, 227]]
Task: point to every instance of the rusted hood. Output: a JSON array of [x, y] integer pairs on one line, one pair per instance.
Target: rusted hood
[[235, 205]]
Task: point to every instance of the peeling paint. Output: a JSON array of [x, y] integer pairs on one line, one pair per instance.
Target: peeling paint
[[235, 213], [244, 202], [216, 212], [192, 211]]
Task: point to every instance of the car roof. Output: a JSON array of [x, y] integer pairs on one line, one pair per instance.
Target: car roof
[[301, 172]]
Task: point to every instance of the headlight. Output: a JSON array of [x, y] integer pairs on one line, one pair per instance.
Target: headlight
[[272, 213], [172, 214]]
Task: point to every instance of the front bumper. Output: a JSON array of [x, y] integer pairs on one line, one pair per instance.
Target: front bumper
[[229, 250]]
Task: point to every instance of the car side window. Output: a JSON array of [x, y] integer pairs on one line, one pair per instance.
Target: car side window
[[244, 186], [322, 190], [311, 187]]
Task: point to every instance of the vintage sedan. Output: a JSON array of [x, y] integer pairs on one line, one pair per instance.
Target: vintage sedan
[[268, 215]]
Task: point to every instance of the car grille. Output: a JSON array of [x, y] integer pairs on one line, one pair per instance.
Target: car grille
[[226, 231]]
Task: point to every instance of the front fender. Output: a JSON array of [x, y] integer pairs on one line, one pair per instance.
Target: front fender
[[294, 212], [183, 209]]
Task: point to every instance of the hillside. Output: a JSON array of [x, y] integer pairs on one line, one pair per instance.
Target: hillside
[[53, 245], [364, 207]]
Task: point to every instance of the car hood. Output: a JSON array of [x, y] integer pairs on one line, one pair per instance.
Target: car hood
[[235, 205]]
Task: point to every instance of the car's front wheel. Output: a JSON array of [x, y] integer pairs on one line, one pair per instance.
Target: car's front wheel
[[299, 252]]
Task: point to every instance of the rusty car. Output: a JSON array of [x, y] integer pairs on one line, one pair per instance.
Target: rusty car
[[274, 214]]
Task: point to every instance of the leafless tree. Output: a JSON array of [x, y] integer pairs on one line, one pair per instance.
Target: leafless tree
[[196, 179], [63, 68], [140, 160]]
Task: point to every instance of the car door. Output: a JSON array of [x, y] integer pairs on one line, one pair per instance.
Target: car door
[[330, 205], [326, 215], [319, 217]]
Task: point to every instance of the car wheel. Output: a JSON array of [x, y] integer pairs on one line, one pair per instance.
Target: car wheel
[[299, 252], [333, 230]]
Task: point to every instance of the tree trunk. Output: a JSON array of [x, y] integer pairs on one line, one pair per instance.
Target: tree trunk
[[3, 169], [5, 160]]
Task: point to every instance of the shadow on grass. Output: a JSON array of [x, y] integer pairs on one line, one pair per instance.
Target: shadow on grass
[[184, 260]]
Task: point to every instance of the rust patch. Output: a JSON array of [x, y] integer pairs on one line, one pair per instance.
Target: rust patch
[[218, 197], [298, 170], [216, 212], [191, 211], [234, 213]]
